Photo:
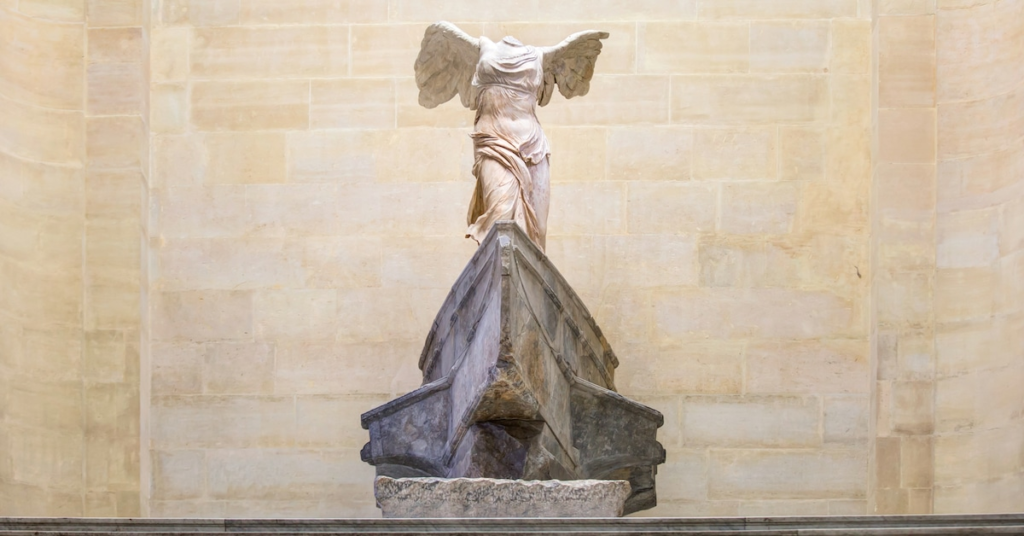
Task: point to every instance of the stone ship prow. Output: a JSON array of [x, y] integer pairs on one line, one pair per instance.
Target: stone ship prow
[[518, 383]]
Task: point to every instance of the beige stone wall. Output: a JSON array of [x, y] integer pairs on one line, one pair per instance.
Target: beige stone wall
[[116, 162], [226, 225], [69, 213], [903, 241], [979, 300], [42, 197], [948, 219], [710, 204]]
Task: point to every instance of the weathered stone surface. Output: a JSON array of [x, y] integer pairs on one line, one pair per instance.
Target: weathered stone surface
[[490, 497], [518, 383]]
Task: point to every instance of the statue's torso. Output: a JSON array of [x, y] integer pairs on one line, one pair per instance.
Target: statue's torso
[[505, 84]]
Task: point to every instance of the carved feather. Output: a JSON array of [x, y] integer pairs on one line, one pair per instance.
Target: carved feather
[[445, 65], [570, 65]]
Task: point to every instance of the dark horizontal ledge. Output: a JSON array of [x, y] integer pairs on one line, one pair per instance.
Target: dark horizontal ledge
[[748, 526]]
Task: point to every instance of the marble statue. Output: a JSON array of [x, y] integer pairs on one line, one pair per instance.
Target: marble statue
[[517, 414], [504, 81]]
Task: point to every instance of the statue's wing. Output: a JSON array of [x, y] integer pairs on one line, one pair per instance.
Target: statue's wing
[[445, 66], [570, 65]]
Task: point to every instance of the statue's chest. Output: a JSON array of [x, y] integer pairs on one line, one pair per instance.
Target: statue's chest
[[515, 67]]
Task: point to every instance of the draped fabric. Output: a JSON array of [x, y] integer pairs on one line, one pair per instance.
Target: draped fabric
[[511, 150], [501, 196]]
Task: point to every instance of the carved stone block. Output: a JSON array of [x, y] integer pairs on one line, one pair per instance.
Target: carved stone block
[[488, 497]]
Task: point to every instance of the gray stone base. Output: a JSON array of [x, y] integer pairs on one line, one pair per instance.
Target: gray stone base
[[490, 497], [518, 384]]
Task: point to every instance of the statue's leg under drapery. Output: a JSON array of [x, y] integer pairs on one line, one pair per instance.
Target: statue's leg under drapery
[[508, 189], [540, 198]]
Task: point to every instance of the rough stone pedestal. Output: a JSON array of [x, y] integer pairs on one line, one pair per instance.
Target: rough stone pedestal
[[489, 497], [518, 384]]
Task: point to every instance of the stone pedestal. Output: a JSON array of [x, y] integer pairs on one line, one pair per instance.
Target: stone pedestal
[[518, 384], [489, 497]]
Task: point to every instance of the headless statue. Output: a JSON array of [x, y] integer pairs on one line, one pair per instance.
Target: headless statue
[[504, 81]]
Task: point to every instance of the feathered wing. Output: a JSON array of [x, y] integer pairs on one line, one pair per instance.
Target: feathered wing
[[570, 65], [445, 65]]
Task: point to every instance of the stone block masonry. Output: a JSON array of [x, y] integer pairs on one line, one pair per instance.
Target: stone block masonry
[[155, 158]]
